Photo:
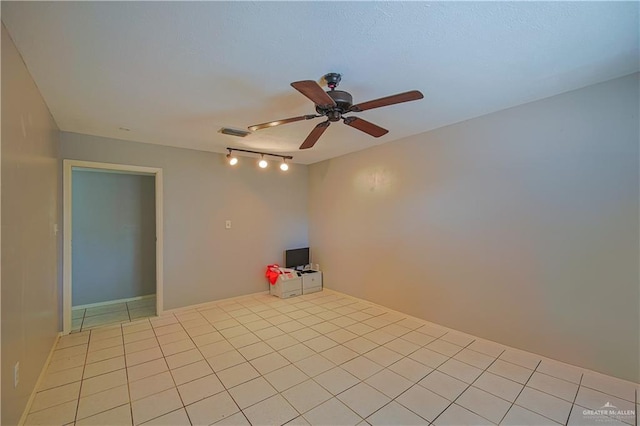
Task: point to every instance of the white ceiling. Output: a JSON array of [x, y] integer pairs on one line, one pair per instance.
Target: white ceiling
[[175, 72]]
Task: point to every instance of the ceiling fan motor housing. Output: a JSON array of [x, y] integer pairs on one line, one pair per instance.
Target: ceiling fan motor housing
[[343, 102]]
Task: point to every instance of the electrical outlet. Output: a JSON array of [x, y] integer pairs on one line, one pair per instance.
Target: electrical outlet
[[16, 374], [227, 224]]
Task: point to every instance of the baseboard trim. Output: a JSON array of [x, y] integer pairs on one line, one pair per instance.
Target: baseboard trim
[[211, 303], [113, 302], [27, 408]]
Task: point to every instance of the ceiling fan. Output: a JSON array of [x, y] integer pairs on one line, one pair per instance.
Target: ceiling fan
[[333, 104]]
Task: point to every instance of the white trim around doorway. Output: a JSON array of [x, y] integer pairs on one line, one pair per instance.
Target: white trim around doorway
[[68, 167]]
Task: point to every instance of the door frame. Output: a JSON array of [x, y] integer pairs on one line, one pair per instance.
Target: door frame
[[67, 236]]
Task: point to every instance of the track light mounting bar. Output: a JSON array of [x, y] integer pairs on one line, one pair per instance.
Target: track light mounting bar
[[284, 157]]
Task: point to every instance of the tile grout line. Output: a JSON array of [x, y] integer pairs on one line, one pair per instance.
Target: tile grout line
[[105, 373], [289, 363], [128, 312], [313, 379], [404, 356], [164, 358], [261, 375], [359, 336], [575, 397], [467, 388], [389, 310], [249, 362], [424, 346], [207, 362], [423, 377], [236, 349], [378, 328], [126, 372], [84, 366], [522, 390], [599, 391], [538, 390], [104, 390], [511, 380], [113, 323], [507, 378]]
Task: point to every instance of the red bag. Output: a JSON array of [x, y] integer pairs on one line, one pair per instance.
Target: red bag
[[272, 273]]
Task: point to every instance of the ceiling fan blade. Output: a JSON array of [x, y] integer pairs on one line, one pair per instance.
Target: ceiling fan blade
[[315, 135], [413, 95], [313, 91], [279, 122], [365, 126]]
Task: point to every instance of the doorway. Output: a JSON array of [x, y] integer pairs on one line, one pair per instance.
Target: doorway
[[112, 269]]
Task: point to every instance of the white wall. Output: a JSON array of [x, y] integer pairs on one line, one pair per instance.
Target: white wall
[[114, 236], [520, 226], [30, 208], [203, 261]]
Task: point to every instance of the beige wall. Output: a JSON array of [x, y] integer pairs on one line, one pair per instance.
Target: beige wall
[[30, 180], [520, 226], [203, 261]]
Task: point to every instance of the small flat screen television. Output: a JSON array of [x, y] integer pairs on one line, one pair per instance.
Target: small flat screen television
[[296, 258]]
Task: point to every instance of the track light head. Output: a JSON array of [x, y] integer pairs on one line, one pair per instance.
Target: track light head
[[263, 163], [232, 160], [284, 166]]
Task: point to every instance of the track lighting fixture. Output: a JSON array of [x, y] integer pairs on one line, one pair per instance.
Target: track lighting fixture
[[263, 164], [232, 159]]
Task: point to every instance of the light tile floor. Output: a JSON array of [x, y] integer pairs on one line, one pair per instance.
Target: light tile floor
[[319, 359], [112, 313]]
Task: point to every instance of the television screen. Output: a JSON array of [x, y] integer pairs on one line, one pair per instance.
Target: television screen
[[296, 258]]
